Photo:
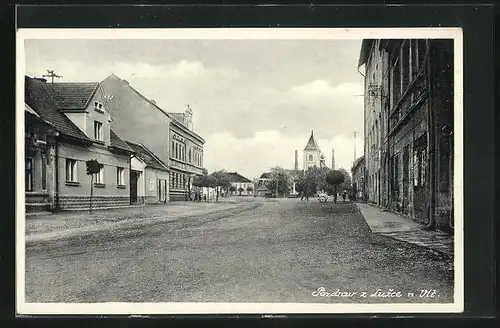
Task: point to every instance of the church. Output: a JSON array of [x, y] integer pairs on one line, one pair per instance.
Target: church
[[312, 155]]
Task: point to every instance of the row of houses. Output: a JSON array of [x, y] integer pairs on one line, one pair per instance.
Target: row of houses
[[149, 155], [408, 129]]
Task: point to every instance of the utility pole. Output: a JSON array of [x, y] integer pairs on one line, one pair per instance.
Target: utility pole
[[52, 75], [354, 135]]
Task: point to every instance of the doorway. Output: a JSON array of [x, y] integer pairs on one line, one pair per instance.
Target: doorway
[[134, 177]]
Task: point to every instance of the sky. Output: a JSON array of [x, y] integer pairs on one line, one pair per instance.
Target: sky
[[254, 101]]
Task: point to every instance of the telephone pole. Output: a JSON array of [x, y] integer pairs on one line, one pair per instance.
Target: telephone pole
[[354, 136], [52, 75]]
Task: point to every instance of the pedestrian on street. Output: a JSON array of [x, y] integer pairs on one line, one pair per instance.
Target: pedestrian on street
[[301, 195]]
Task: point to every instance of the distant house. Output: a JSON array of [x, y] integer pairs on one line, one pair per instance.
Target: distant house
[[263, 191], [238, 181], [78, 115], [358, 177], [265, 177], [148, 176]]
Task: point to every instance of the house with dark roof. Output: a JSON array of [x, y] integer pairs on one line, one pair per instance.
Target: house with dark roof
[[81, 125], [241, 186], [168, 135], [148, 176]]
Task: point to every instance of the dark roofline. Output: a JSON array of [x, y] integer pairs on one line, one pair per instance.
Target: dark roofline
[[364, 53], [97, 84], [147, 150], [185, 129], [82, 138]]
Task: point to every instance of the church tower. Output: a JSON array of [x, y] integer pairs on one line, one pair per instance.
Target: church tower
[[312, 153]]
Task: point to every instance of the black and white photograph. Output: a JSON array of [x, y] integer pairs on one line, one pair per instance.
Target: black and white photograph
[[239, 170]]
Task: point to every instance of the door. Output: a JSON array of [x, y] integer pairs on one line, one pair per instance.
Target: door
[[133, 186]]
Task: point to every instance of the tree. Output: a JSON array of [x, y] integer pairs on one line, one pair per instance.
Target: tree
[[93, 167], [249, 189], [232, 189], [346, 184], [280, 182], [240, 190], [220, 180], [334, 178]]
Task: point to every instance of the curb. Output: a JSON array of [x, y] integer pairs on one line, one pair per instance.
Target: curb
[[428, 249]]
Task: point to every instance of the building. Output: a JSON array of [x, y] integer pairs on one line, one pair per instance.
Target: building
[[167, 135], [81, 123], [263, 191], [39, 140], [186, 154], [374, 118], [416, 96], [148, 177], [242, 185], [358, 178], [311, 153]]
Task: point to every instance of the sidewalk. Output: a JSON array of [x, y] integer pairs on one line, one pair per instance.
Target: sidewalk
[[404, 229], [68, 224]]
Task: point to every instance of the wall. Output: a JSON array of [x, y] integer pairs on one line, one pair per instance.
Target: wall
[[373, 127], [135, 119], [77, 196], [244, 185], [151, 190]]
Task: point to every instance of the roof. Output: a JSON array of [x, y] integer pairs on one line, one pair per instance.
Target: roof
[[147, 156], [117, 142], [312, 144], [263, 188], [178, 116], [72, 96], [265, 176], [30, 110], [364, 53], [236, 177], [39, 99], [358, 161]]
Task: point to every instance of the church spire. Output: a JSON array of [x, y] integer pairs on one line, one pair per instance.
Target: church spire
[[312, 144]]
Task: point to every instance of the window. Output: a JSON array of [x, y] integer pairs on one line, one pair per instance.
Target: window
[[98, 130], [420, 161], [189, 156], [422, 51], [71, 170], [405, 64], [120, 176], [28, 174], [176, 150], [98, 106], [99, 177], [396, 82], [172, 149], [310, 157], [44, 172], [414, 59]]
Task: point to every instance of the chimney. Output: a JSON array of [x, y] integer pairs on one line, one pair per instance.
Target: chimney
[[296, 167], [153, 101], [125, 81], [333, 159], [41, 79]]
